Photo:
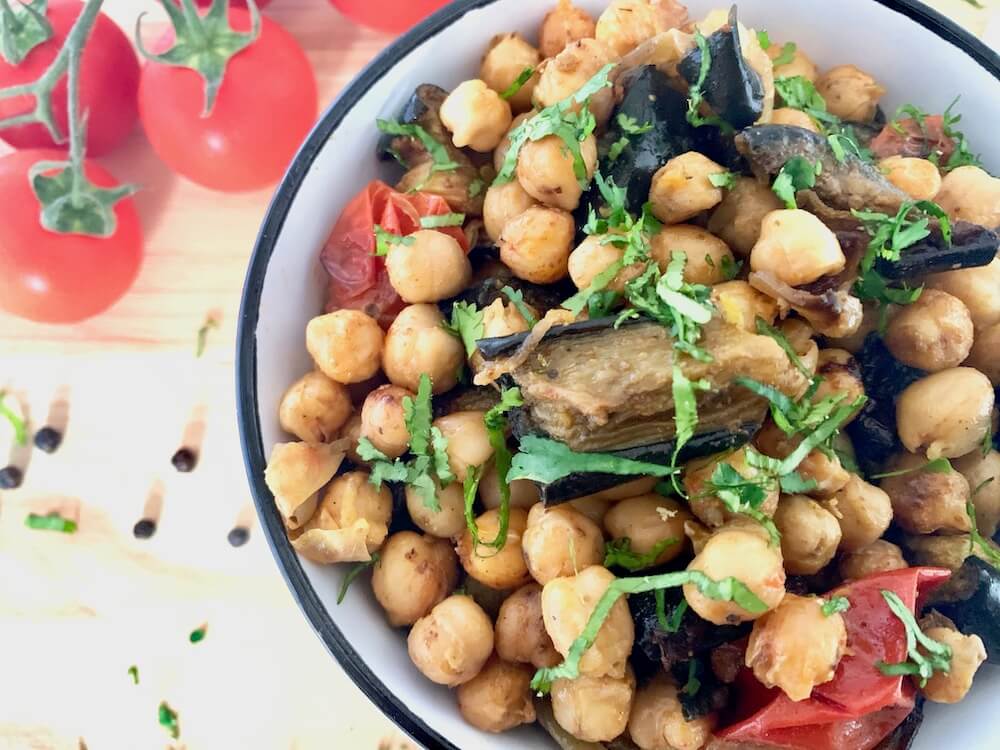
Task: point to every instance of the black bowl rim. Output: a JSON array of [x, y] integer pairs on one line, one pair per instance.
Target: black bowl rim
[[248, 413]]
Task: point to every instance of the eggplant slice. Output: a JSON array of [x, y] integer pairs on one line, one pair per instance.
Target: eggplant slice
[[971, 246], [975, 606]]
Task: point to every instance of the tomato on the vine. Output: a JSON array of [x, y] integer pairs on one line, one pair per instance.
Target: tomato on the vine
[[109, 79], [265, 107], [60, 278]]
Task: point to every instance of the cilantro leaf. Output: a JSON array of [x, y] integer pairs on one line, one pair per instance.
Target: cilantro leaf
[[384, 239], [617, 147], [800, 93], [417, 416], [935, 657], [437, 221], [441, 161], [544, 460], [516, 297], [50, 522], [787, 54], [961, 155], [937, 466], [763, 39], [467, 324], [600, 303], [744, 496], [685, 410], [835, 606], [619, 552], [515, 86], [495, 420], [798, 173], [355, 570], [794, 484], [766, 329], [578, 301], [15, 420], [987, 550], [673, 623], [696, 93], [631, 126], [726, 180]]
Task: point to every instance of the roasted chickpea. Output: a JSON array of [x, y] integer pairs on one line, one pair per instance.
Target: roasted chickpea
[[854, 340], [520, 629], [345, 345], [412, 575], [593, 256], [351, 432], [864, 512], [562, 26], [649, 520], [918, 178], [924, 502], [594, 508], [430, 268], [507, 57], [546, 172], [796, 647], [971, 194], [563, 75], [415, 344], [468, 441], [681, 188], [382, 420], [799, 65], [976, 287], [708, 508], [451, 644], [934, 333], [447, 522], [314, 408], [967, 653], [850, 93], [594, 709], [810, 534], [503, 569], [983, 472], [500, 153], [983, 355], [740, 305], [940, 551], [523, 492], [559, 542], [796, 247], [817, 466], [841, 375], [742, 550], [795, 117], [878, 557], [498, 698], [625, 24], [503, 203], [947, 413], [502, 320], [536, 244], [737, 219], [707, 257], [567, 604], [800, 335], [657, 721], [476, 115]]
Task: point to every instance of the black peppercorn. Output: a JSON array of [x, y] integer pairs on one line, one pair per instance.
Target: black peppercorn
[[184, 460], [238, 536], [144, 528], [10, 478], [48, 439]]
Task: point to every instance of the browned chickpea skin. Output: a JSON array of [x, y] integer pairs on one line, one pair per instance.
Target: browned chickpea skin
[[476, 115], [976, 287], [817, 466], [794, 117], [546, 170], [796, 247], [799, 65], [468, 441], [925, 502], [982, 472], [498, 698], [314, 408], [503, 203], [417, 344], [520, 629], [346, 345], [934, 333], [563, 75], [878, 557], [536, 244], [500, 152], [740, 305], [558, 541], [451, 644], [971, 193], [918, 178], [841, 376], [382, 420], [562, 26], [593, 256], [983, 355], [681, 189], [413, 574], [625, 24]]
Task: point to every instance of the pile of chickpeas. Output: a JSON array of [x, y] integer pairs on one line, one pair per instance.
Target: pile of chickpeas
[[521, 607]]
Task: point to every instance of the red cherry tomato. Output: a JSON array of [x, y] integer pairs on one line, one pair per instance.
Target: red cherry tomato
[[60, 278], [109, 78], [358, 279], [388, 15], [919, 139], [265, 107]]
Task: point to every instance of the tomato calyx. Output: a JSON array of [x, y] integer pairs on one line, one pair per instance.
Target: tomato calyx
[[205, 44], [22, 28]]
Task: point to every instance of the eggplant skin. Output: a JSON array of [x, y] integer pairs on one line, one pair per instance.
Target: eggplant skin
[[978, 611], [971, 246]]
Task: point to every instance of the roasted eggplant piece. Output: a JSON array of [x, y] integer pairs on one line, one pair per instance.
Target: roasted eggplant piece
[[971, 246], [974, 591], [489, 288]]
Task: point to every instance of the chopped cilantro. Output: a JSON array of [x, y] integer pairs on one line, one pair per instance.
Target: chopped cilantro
[[168, 720], [766, 329], [696, 94], [787, 54], [50, 522], [631, 126], [601, 303], [672, 623], [619, 552], [384, 239], [987, 550], [133, 672], [198, 634], [693, 684], [578, 301], [514, 87], [466, 324], [930, 657], [987, 444], [355, 570], [741, 495], [202, 339], [726, 180], [836, 605], [516, 297], [441, 161], [798, 173], [730, 268], [792, 417], [437, 221], [495, 420], [545, 460], [476, 187], [961, 155], [685, 412], [938, 466], [617, 147], [763, 39], [799, 93]]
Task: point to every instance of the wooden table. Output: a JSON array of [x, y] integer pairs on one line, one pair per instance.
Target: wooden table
[[76, 611]]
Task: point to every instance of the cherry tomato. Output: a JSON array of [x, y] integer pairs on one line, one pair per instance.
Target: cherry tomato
[[358, 279], [60, 278], [916, 139], [265, 107], [109, 79], [388, 15]]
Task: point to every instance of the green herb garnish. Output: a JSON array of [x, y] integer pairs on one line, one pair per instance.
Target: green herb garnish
[[516, 297], [693, 684], [50, 522], [766, 329], [988, 551], [521, 79], [544, 460], [355, 570], [935, 657], [437, 221], [466, 324], [696, 93], [672, 623], [961, 155], [799, 93], [730, 268], [168, 720], [16, 422], [744, 496], [384, 239], [601, 303], [725, 180], [786, 55], [763, 39], [798, 173], [440, 159], [619, 552], [685, 414], [938, 466], [835, 606]]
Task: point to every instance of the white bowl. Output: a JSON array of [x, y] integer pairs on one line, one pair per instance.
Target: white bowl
[[917, 54]]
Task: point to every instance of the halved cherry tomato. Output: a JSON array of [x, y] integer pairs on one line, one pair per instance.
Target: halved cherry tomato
[[358, 279], [919, 139]]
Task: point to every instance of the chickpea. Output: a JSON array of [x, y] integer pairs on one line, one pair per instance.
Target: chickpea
[[593, 256], [351, 432], [878, 557], [451, 644], [854, 340], [924, 502], [976, 287], [799, 65], [850, 93], [295, 473], [708, 508], [536, 244], [502, 320], [623, 491], [593, 507], [744, 551], [523, 492], [947, 413], [681, 188], [740, 305], [558, 542], [498, 698], [940, 551], [648, 520], [625, 24], [841, 375], [918, 178], [563, 75], [977, 469], [501, 204], [468, 441], [737, 219], [382, 420], [520, 629], [810, 534], [504, 569], [934, 333], [507, 57], [562, 26], [708, 257], [824, 470], [500, 153], [594, 709], [864, 512], [971, 194], [314, 408], [413, 574], [345, 345], [983, 355], [800, 335], [795, 117], [796, 247], [476, 115], [796, 647], [431, 268], [416, 343], [657, 721], [567, 604], [446, 523], [545, 169], [967, 653]]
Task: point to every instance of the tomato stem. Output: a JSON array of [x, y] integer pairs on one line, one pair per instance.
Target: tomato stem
[[22, 28]]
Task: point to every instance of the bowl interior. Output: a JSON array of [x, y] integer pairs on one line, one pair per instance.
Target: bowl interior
[[285, 289]]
